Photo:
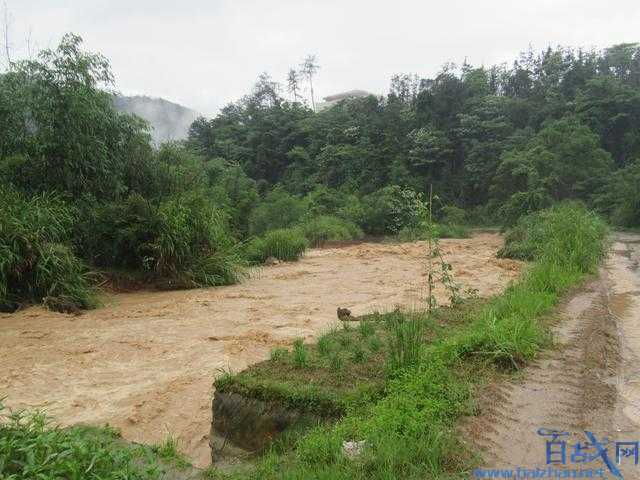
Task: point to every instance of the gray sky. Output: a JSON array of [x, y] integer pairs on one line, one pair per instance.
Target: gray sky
[[206, 53]]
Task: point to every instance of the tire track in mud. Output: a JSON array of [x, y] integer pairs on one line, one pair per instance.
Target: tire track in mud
[[589, 381]]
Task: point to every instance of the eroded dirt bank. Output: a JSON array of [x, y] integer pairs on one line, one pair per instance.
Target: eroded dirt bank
[[145, 361], [590, 382]]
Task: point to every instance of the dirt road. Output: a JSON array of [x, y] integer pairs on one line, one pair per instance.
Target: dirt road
[[146, 361], [591, 382]]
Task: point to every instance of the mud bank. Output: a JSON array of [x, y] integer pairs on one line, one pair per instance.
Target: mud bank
[[589, 382], [145, 361]]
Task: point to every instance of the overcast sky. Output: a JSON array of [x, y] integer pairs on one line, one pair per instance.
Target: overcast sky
[[206, 53]]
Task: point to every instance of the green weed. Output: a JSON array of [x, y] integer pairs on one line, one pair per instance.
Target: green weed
[[300, 354], [279, 354]]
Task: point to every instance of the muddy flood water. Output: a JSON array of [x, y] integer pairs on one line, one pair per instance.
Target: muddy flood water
[[145, 361]]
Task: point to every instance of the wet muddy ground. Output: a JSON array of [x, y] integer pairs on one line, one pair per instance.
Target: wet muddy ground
[[589, 382], [145, 361]]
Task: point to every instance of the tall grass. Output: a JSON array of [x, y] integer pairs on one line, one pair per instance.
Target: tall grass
[[405, 340], [287, 244], [31, 448], [327, 228], [566, 234], [37, 263], [184, 239]]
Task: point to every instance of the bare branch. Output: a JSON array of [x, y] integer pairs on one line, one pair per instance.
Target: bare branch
[[6, 23]]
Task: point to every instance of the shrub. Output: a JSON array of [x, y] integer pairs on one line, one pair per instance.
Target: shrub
[[284, 244], [193, 243], [447, 230], [452, 215], [254, 251], [37, 263], [30, 448], [329, 229], [390, 209], [278, 210], [184, 239], [566, 234], [325, 201], [118, 234], [620, 197]]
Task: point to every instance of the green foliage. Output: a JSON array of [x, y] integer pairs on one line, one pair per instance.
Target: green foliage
[[31, 448], [320, 230], [390, 209], [563, 161], [566, 233], [300, 354], [37, 262], [168, 452], [193, 244], [127, 206], [452, 215], [366, 328], [61, 129], [619, 199], [422, 232], [287, 244], [278, 210], [279, 354], [515, 139], [183, 239], [324, 345], [451, 231], [405, 342]]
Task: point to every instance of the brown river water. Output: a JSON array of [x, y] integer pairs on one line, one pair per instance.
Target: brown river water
[[145, 361]]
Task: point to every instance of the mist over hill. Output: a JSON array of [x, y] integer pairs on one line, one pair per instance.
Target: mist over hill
[[169, 121]]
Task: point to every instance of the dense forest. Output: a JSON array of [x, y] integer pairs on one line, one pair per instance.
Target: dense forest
[[86, 194]]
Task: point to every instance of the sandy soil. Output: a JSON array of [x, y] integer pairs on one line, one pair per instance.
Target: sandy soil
[[145, 361], [590, 382]]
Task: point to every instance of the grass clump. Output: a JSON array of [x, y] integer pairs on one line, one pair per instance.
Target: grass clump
[[327, 228], [566, 234], [37, 261], [279, 354], [324, 345], [405, 340], [300, 355], [31, 448], [286, 244], [366, 328], [168, 451]]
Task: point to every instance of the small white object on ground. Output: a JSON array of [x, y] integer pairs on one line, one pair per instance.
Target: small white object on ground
[[353, 449]]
